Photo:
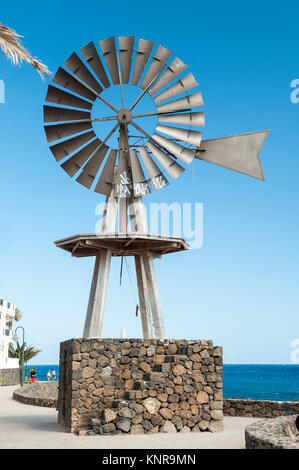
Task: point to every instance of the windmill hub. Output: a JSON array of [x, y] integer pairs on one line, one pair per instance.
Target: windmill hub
[[124, 116]]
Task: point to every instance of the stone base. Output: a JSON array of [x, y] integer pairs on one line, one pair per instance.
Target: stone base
[[277, 433], [38, 394], [113, 386], [9, 376]]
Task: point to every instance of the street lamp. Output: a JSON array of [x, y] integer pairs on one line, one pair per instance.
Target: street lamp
[[22, 356]]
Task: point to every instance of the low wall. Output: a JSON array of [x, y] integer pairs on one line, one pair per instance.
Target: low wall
[[277, 433], [113, 386], [38, 394], [259, 408], [9, 376]]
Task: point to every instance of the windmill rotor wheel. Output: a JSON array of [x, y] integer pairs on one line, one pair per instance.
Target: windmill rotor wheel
[[133, 169]]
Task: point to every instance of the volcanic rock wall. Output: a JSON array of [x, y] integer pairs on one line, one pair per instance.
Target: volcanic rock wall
[[113, 386]]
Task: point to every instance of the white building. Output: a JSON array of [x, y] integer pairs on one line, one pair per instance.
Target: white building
[[7, 315]]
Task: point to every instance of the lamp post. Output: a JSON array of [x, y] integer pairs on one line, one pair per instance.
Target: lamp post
[[22, 356]]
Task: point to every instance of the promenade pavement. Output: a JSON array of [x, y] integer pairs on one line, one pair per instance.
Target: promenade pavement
[[33, 427]]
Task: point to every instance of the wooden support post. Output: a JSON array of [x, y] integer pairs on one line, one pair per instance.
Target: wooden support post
[[97, 298], [123, 214], [110, 214], [154, 296], [137, 214], [144, 302], [146, 275], [98, 290], [139, 224]]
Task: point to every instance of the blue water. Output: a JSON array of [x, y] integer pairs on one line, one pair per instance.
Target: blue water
[[41, 371], [260, 382]]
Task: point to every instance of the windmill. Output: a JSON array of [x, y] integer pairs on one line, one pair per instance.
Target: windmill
[[140, 163]]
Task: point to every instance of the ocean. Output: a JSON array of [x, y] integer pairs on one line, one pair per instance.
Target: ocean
[[261, 382], [256, 381]]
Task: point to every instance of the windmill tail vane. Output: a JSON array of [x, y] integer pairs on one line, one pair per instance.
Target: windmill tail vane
[[134, 168]]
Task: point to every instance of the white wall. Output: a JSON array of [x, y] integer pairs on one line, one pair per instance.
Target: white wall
[[7, 310]]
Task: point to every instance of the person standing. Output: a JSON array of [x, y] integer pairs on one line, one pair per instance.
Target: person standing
[[54, 375], [49, 376], [32, 375]]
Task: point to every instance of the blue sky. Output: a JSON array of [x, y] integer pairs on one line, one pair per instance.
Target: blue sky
[[241, 288]]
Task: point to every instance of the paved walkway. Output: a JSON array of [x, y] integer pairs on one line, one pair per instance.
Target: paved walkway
[[25, 426]]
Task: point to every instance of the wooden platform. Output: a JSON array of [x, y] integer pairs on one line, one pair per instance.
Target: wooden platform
[[121, 244]]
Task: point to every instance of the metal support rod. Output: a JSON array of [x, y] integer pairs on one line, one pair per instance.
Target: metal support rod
[[123, 201], [148, 86], [95, 93], [134, 116], [150, 138], [120, 81], [141, 115]]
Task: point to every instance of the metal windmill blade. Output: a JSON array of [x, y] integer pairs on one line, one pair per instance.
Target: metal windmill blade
[[157, 178], [142, 56], [173, 70], [58, 96], [176, 149], [66, 80], [66, 147], [126, 45], [187, 102], [140, 184], [188, 119], [191, 137], [91, 56], [159, 59], [186, 83], [137, 171], [55, 114], [169, 164], [75, 64], [110, 55], [60, 131], [105, 182], [91, 168], [73, 164]]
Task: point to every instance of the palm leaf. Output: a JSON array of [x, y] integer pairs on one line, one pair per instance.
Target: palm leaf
[[12, 48], [22, 352]]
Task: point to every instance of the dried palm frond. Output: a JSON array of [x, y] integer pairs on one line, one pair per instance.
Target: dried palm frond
[[13, 49]]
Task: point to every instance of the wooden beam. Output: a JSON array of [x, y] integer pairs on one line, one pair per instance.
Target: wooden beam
[[103, 244], [75, 247], [123, 214], [129, 242]]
